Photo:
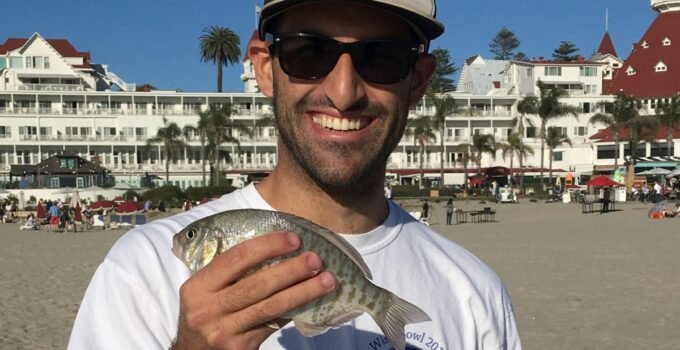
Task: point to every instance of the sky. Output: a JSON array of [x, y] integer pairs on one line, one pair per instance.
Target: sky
[[156, 42]]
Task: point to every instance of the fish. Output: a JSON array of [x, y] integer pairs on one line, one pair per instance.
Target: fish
[[201, 241]]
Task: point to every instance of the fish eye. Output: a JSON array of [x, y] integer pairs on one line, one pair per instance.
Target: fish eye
[[191, 234]]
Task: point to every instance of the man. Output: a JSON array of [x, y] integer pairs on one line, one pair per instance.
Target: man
[[342, 75]]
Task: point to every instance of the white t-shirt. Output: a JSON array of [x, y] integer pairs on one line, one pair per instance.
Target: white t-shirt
[[132, 301]]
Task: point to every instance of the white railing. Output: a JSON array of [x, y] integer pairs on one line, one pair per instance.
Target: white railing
[[51, 87]]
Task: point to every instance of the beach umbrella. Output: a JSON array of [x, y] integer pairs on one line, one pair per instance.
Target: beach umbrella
[[602, 181], [105, 205], [675, 172], [129, 207], [655, 172], [65, 190], [75, 200], [125, 187]]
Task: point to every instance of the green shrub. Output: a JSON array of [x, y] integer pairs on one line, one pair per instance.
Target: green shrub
[[171, 195], [198, 193]]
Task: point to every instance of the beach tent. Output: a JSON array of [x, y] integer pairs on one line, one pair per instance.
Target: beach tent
[[104, 205], [603, 181], [129, 207]]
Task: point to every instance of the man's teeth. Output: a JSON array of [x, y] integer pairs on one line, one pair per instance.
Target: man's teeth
[[340, 124]]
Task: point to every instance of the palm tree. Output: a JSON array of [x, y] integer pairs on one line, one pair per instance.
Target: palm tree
[[617, 114], [169, 135], [550, 108], [444, 106], [220, 45], [527, 105], [669, 115], [482, 144], [465, 159], [215, 121], [513, 147], [554, 139], [422, 130]]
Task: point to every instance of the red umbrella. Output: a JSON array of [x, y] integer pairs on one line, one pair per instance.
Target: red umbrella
[[602, 181], [78, 216], [104, 205], [129, 207]]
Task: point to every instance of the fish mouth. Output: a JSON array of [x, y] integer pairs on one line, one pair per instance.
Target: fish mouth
[[177, 248]]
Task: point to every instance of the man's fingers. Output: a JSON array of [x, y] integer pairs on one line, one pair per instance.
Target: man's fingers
[[231, 265], [266, 282], [280, 303]]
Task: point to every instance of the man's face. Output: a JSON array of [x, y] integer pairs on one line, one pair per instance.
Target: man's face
[[341, 129]]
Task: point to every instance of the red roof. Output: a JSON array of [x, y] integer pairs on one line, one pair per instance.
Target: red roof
[[62, 46], [607, 46], [646, 82], [607, 135]]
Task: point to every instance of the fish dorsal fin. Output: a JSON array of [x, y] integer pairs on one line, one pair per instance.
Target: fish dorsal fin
[[332, 237]]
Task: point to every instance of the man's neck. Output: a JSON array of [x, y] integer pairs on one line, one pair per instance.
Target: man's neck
[[348, 212]]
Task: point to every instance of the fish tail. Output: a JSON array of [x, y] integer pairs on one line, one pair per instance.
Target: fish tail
[[398, 313]]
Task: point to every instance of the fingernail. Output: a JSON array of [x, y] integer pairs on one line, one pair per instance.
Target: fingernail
[[314, 263], [293, 239], [327, 280]]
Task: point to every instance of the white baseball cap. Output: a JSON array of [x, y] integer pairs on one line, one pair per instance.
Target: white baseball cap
[[420, 13]]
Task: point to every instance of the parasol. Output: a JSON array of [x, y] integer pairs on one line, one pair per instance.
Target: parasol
[[129, 207], [603, 181]]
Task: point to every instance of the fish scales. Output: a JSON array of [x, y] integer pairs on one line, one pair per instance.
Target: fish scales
[[198, 243]]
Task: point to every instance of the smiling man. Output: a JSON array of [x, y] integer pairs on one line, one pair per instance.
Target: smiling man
[[342, 75]]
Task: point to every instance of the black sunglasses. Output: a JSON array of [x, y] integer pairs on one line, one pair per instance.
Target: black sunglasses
[[312, 57]]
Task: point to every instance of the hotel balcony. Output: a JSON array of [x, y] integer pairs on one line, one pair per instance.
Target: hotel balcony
[[51, 87]]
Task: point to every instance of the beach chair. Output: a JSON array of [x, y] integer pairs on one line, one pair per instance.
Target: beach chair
[[114, 219], [140, 219], [125, 221]]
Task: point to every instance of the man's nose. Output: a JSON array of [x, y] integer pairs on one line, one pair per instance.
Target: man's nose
[[343, 85]]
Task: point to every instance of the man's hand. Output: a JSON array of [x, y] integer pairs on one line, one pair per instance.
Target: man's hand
[[218, 310]]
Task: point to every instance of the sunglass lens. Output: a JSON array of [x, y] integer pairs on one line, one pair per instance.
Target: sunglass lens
[[307, 57], [383, 62]]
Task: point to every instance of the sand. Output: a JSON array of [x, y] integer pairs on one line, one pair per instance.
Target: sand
[[577, 281]]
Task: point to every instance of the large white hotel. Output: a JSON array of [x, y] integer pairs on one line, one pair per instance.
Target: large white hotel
[[53, 98]]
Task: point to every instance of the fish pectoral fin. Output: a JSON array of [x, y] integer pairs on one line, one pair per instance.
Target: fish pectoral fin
[[344, 318], [308, 329], [278, 323]]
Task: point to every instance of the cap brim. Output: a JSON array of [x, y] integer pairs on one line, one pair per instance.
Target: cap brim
[[430, 27]]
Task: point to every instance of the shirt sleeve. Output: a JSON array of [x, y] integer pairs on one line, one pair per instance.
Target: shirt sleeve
[[118, 313]]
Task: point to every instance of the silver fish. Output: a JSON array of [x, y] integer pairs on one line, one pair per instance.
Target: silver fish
[[197, 244]]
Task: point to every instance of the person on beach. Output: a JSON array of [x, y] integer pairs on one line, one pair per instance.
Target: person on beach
[[449, 211], [364, 64]]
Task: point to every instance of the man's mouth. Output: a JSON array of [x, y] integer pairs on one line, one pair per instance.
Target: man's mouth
[[340, 124]]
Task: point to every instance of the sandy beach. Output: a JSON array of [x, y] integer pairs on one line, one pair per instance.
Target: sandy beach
[[578, 281]]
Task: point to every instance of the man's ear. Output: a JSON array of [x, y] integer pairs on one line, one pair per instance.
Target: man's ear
[[422, 72], [262, 62]]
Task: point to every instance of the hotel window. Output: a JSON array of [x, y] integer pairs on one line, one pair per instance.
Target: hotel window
[[588, 71], [606, 152], [38, 62], [71, 131], [28, 130], [581, 131], [529, 72], [85, 131], [45, 131], [553, 71], [587, 107], [660, 67], [54, 182], [557, 156], [531, 132], [16, 62], [47, 62], [630, 70], [29, 62], [562, 131], [589, 89], [644, 44], [5, 131], [666, 42]]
